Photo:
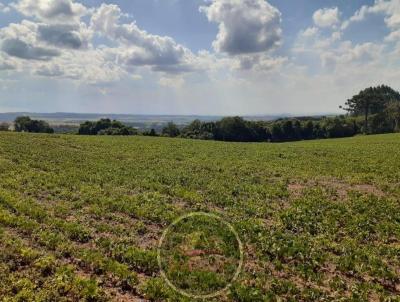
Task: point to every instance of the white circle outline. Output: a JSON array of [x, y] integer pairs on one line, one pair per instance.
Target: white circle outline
[[182, 292]]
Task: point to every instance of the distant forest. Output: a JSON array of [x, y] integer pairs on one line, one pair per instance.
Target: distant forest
[[373, 110]]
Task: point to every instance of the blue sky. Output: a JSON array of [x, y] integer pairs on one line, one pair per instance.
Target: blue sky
[[194, 56]]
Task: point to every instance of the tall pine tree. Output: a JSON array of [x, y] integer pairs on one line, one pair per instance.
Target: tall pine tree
[[371, 101]]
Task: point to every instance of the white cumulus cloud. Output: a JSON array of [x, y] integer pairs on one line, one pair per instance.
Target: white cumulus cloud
[[389, 8], [327, 17], [245, 26], [136, 46], [51, 10]]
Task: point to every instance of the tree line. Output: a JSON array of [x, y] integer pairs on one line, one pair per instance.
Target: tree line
[[236, 129], [373, 110]]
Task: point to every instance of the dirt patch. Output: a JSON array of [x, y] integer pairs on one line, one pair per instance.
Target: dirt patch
[[117, 296], [337, 188], [369, 189], [296, 189], [150, 239], [343, 189]]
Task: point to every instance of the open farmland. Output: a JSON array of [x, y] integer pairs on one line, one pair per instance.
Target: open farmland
[[80, 217]]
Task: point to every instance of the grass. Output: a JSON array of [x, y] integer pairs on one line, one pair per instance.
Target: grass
[[80, 217]]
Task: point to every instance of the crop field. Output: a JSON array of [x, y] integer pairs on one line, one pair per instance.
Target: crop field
[[81, 218]]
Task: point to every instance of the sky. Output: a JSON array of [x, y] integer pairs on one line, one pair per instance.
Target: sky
[[205, 57]]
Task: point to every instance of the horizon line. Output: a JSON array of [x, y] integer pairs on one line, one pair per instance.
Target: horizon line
[[178, 114]]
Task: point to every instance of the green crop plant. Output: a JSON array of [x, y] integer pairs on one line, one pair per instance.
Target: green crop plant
[[81, 217]]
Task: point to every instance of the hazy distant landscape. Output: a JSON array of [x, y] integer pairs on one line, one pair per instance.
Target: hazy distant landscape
[[141, 122]]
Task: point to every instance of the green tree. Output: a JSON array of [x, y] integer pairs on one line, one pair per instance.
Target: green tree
[[308, 130], [105, 127], [199, 130], [288, 130], [369, 101], [393, 112], [232, 129], [152, 132], [338, 127], [297, 130], [238, 130], [118, 131], [21, 123], [102, 124], [319, 131], [86, 128], [276, 132], [171, 130], [26, 124]]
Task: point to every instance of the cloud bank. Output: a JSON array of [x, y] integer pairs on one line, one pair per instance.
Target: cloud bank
[[248, 62]]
